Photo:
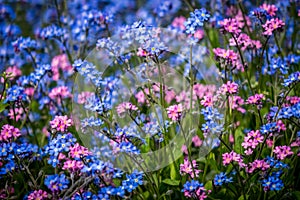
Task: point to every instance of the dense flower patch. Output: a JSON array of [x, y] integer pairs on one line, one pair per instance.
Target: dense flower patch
[[158, 99]]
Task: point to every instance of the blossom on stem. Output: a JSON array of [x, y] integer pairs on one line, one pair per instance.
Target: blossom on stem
[[196, 20], [251, 141], [124, 107], [270, 8], [61, 123], [282, 152], [272, 25], [175, 112], [8, 132], [189, 168], [229, 88], [231, 26], [38, 194]]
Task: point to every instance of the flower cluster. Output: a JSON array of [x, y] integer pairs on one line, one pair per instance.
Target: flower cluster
[[175, 112], [231, 157], [221, 179], [8, 133], [251, 141], [189, 168], [196, 20], [194, 189], [231, 26], [61, 123], [126, 106], [282, 152], [273, 25]]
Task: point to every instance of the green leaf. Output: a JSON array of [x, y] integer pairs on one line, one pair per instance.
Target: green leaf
[[171, 182], [2, 107], [239, 138], [242, 197], [173, 172], [208, 185]]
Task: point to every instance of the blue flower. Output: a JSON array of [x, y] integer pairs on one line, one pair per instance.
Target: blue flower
[[285, 113], [53, 31], [196, 20], [275, 65], [56, 182], [8, 167], [163, 8], [259, 14], [22, 44], [268, 128], [272, 183], [191, 186], [133, 181], [292, 59], [120, 191], [292, 78], [58, 145], [15, 93], [222, 178], [154, 47]]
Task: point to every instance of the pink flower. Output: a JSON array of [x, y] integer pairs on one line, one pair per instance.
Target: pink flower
[[83, 97], [60, 62], [280, 126], [244, 42], [77, 151], [229, 88], [240, 19], [228, 54], [293, 100], [124, 107], [38, 195], [141, 96], [257, 164], [273, 25], [227, 158], [235, 103], [199, 34], [19, 112], [203, 90], [256, 100], [178, 22], [141, 52], [231, 139], [59, 93], [231, 26], [232, 156], [197, 141], [8, 132], [269, 143], [29, 91], [61, 123], [61, 156], [228, 57], [169, 95], [271, 9], [251, 141], [282, 152], [73, 165], [187, 168], [207, 101], [184, 149], [13, 72], [175, 112]]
